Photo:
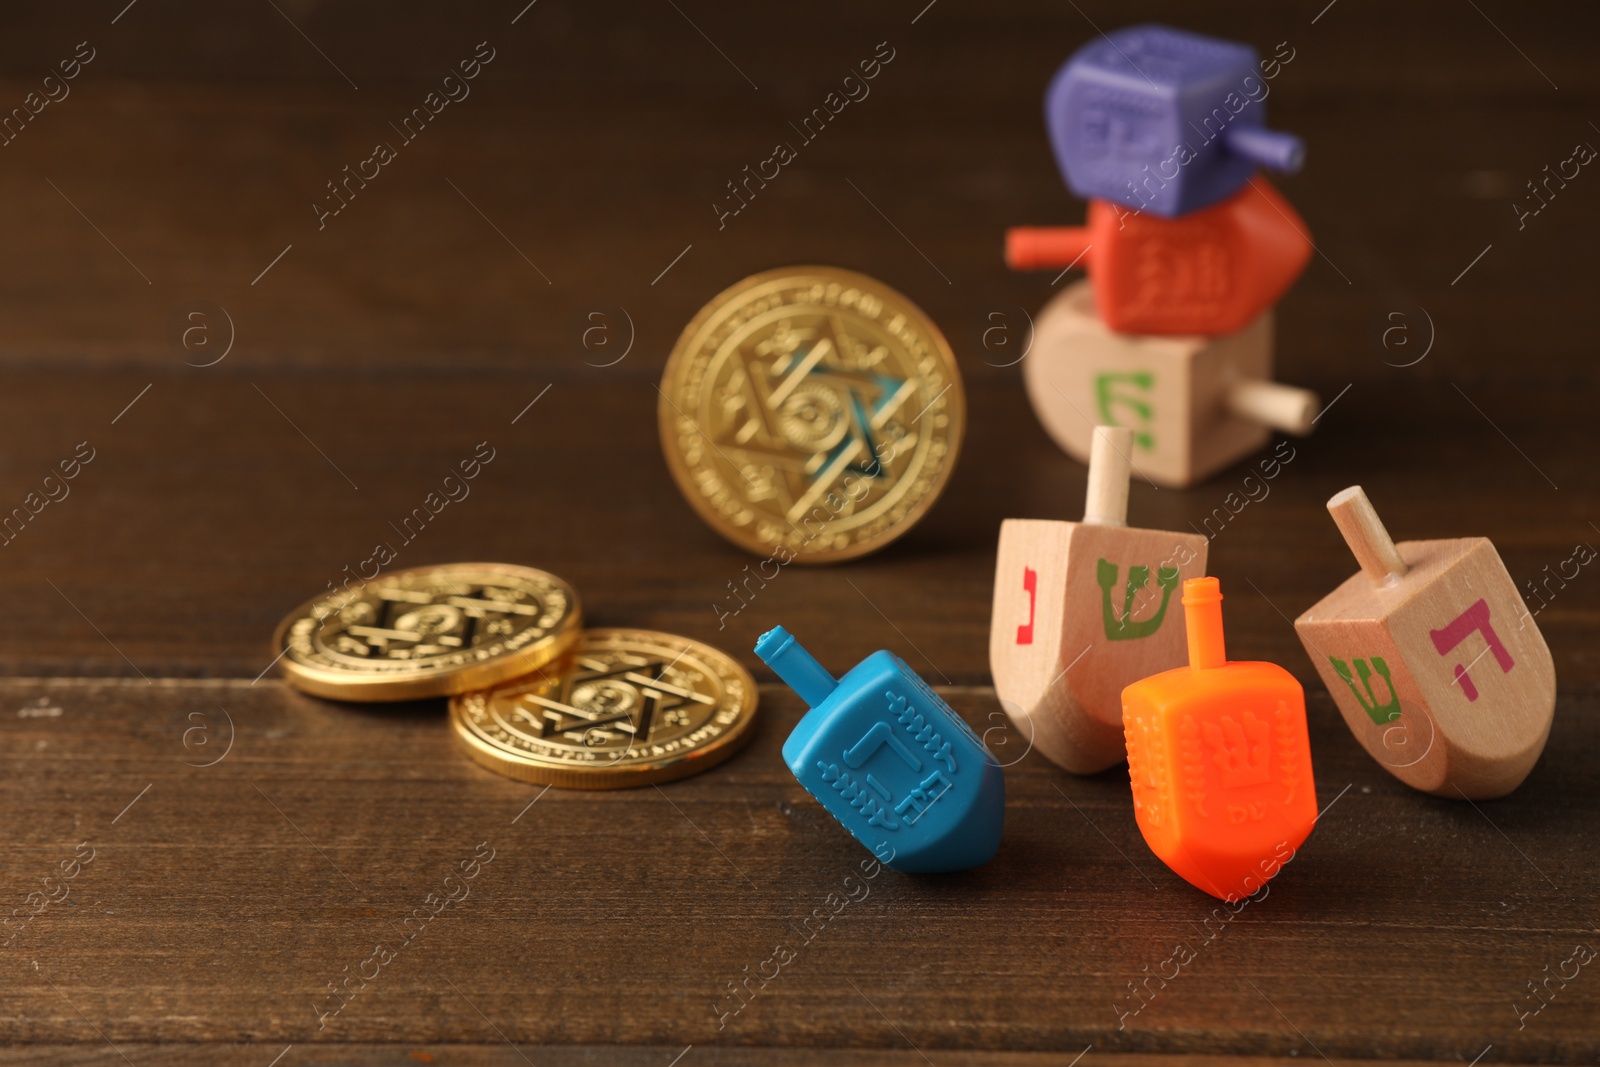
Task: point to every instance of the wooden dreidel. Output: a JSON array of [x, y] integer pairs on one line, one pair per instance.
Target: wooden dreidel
[[1207, 273], [888, 759], [1435, 664], [1195, 404], [1219, 760], [1081, 610]]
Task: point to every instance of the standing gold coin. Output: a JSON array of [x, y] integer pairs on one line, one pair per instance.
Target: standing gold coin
[[626, 708], [811, 414], [428, 631]]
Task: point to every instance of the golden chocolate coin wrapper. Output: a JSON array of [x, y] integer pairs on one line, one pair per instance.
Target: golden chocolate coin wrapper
[[428, 632], [626, 708], [811, 414]]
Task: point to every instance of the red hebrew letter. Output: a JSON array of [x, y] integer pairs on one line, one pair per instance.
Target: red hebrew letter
[[1030, 582]]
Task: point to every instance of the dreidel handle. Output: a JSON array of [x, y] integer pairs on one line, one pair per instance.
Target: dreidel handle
[[1110, 463], [798, 668], [1046, 247], [1202, 617], [1272, 149], [1363, 531], [1282, 407]]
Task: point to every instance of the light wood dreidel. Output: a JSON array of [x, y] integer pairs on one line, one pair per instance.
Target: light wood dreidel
[[1219, 760], [1195, 404], [1081, 609], [1435, 664]]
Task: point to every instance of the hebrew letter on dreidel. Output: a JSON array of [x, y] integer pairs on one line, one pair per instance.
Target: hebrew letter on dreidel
[[1239, 751], [1106, 398], [921, 798], [1474, 618], [1030, 582], [1122, 629], [874, 739], [1378, 713]]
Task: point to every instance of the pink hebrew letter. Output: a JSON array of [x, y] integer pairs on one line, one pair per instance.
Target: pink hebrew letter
[[1475, 618]]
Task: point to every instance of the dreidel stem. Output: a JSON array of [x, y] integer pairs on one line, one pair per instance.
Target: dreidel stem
[[798, 668], [1282, 407], [1272, 149], [1110, 462], [1046, 247], [1363, 531], [1202, 616]]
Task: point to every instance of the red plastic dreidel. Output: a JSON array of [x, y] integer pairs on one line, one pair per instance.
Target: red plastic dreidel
[[1219, 760], [1435, 664], [1081, 609], [1207, 273]]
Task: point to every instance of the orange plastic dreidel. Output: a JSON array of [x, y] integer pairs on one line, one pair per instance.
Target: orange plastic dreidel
[[1219, 760]]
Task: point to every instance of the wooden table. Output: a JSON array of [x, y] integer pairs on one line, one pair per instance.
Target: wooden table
[[251, 846]]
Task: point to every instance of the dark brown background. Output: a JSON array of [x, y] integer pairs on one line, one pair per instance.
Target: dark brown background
[[225, 898]]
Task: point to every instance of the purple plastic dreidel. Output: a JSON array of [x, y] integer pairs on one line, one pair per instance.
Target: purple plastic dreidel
[[888, 759], [1163, 120]]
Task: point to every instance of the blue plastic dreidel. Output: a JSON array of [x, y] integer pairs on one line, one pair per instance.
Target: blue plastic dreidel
[[1164, 120], [890, 760]]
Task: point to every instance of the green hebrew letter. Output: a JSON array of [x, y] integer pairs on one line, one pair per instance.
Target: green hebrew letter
[[1105, 397], [1379, 714], [1120, 629]]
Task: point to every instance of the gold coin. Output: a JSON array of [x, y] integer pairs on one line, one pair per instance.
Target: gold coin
[[428, 631], [625, 708], [811, 414]]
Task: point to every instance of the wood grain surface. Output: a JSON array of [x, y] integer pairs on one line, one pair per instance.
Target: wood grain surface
[[516, 276]]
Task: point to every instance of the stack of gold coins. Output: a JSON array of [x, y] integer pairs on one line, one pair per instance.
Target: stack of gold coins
[[811, 414], [533, 695]]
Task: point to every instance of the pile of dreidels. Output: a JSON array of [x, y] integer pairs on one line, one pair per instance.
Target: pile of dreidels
[[1162, 131]]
